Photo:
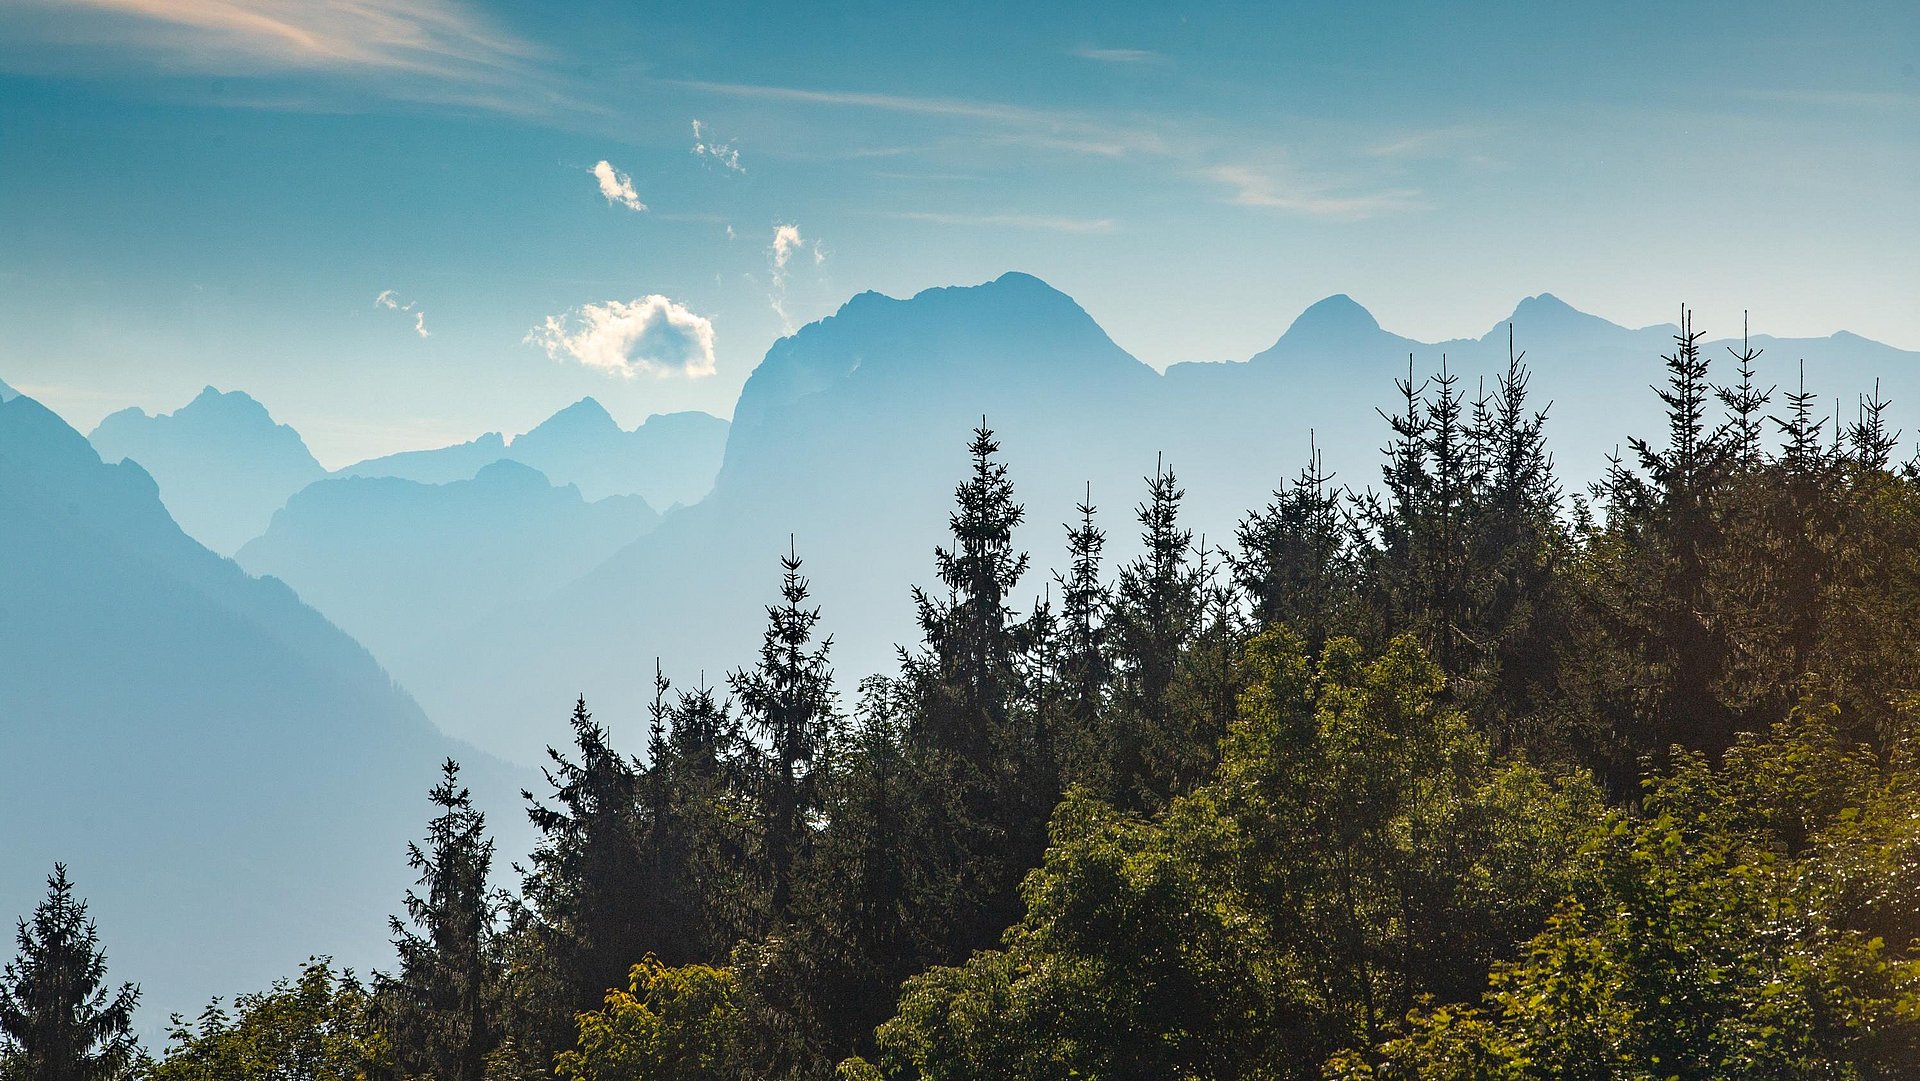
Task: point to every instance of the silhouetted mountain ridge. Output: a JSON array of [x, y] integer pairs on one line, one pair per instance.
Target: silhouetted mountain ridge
[[231, 778], [670, 459], [398, 563], [222, 464]]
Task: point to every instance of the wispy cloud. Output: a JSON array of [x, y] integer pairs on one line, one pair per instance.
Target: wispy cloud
[[1010, 221], [616, 186], [424, 50], [1464, 144], [725, 155], [1118, 56], [652, 335], [1255, 188], [897, 103], [787, 242], [388, 300]]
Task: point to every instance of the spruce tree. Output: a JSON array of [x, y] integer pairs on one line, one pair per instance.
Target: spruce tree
[[1869, 442], [787, 701], [587, 878], [1744, 401], [59, 1020], [1802, 451], [1518, 611], [1081, 666], [971, 636], [1156, 609], [1297, 562], [972, 757], [1667, 613], [439, 1003], [698, 827], [1444, 529]]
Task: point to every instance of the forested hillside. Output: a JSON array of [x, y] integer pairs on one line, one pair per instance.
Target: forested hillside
[[1457, 775]]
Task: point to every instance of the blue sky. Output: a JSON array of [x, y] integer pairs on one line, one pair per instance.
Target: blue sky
[[217, 191]]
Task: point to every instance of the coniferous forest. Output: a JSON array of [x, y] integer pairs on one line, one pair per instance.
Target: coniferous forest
[[1440, 771]]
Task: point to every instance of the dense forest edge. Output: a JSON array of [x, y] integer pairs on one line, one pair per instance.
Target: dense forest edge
[[1454, 774]]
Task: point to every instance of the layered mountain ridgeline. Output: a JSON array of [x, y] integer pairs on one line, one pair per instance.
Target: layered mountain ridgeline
[[836, 435], [230, 777], [400, 564], [7, 392], [224, 467], [670, 459], [222, 464], [848, 433]]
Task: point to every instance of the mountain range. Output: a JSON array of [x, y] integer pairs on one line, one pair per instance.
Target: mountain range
[[669, 459], [850, 437], [148, 687], [230, 778], [401, 565], [222, 464]]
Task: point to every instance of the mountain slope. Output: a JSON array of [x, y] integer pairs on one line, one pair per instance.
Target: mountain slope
[[398, 564], [669, 459], [223, 465], [231, 779], [440, 465]]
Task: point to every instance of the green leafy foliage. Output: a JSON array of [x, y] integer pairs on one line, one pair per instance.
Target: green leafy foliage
[[319, 1026], [1355, 849], [670, 1024], [1716, 935]]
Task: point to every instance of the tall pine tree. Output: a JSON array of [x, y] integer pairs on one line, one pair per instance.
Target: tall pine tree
[[440, 1002], [591, 906], [59, 1020], [787, 702], [1156, 610]]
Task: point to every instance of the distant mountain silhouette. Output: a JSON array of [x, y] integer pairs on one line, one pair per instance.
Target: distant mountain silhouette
[[399, 564], [851, 436], [441, 465], [223, 465], [7, 393], [670, 459], [230, 777]]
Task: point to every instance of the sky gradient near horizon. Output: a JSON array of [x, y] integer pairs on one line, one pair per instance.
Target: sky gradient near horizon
[[400, 223]]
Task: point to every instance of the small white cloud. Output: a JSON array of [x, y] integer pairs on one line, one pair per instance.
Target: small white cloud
[[725, 155], [786, 241], [652, 335], [617, 186], [391, 301]]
